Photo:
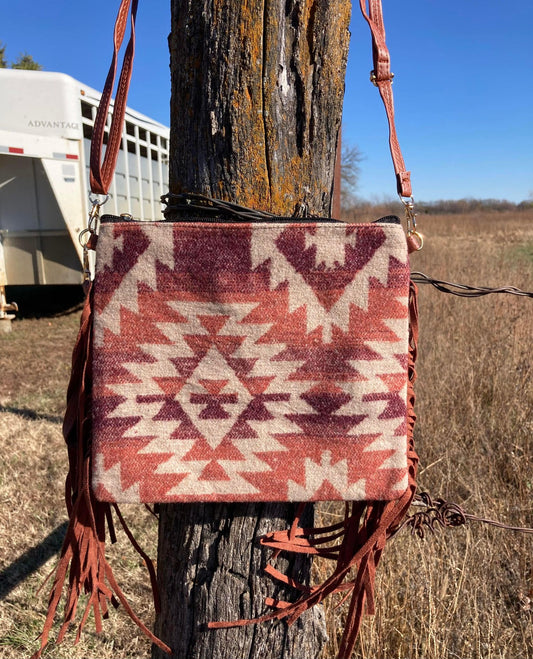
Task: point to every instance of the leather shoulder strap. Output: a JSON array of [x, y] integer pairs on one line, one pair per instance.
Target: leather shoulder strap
[[101, 171], [382, 77]]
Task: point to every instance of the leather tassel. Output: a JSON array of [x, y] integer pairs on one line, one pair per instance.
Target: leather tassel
[[356, 544], [82, 562]]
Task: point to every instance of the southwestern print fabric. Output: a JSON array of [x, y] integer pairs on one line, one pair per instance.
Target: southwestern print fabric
[[240, 362]]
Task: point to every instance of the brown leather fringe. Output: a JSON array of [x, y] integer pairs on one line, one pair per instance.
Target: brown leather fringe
[[83, 552], [356, 544]]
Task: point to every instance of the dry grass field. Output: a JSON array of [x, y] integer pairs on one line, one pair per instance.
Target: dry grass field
[[464, 593]]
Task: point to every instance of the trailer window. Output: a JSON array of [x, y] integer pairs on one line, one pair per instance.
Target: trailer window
[[86, 110]]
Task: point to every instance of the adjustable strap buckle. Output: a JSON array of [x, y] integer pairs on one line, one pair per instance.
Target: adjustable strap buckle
[[374, 78]]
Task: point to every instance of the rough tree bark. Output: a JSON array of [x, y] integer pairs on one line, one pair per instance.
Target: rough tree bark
[[257, 90]]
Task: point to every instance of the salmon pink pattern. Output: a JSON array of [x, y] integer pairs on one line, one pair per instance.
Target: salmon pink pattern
[[250, 362]]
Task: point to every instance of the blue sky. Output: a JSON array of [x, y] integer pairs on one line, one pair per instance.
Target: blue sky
[[463, 84]]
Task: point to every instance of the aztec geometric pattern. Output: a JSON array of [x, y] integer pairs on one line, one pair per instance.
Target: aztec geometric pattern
[[250, 362]]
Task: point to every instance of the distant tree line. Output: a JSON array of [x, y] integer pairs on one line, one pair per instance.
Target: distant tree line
[[463, 206], [23, 61], [356, 207]]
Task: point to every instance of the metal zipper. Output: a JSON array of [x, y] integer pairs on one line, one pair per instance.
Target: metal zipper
[[126, 217]]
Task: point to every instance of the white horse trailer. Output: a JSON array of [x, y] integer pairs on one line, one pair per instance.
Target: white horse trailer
[[46, 123]]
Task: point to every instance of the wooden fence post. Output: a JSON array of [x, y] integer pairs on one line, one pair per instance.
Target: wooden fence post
[[257, 92]]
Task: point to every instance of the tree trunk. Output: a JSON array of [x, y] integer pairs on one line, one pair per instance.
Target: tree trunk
[[257, 91]]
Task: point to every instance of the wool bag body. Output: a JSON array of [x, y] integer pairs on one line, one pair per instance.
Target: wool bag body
[[250, 361]]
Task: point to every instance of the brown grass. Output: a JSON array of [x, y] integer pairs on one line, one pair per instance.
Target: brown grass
[[462, 593], [35, 364], [465, 592]]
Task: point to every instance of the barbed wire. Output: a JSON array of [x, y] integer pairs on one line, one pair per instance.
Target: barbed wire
[[439, 513], [465, 290]]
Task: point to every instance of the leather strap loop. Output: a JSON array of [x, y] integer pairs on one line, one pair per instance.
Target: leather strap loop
[[101, 172], [382, 78]]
